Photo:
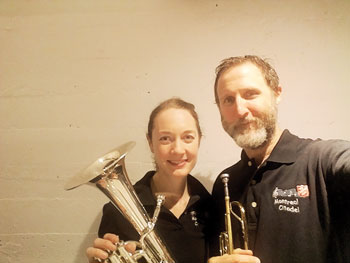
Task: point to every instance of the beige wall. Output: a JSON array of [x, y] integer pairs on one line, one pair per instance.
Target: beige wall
[[78, 78]]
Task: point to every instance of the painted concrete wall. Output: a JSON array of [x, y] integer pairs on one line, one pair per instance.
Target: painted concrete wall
[[78, 78]]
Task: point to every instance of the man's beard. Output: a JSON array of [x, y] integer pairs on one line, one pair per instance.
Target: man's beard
[[254, 132]]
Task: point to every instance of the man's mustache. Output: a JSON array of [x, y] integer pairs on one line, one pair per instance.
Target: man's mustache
[[244, 121]]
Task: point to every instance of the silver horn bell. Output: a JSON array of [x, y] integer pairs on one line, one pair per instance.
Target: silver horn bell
[[109, 175]]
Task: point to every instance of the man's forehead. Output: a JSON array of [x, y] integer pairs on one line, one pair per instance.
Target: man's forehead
[[242, 68], [243, 73]]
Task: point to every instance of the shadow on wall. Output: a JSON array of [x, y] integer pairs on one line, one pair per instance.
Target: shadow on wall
[[207, 179], [88, 240]]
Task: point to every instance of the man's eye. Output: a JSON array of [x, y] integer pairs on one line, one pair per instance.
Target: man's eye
[[250, 94], [228, 100]]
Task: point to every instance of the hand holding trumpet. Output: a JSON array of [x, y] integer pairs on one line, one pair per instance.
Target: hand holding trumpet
[[103, 246], [100, 252], [238, 256]]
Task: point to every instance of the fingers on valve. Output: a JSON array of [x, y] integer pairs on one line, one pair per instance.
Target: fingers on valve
[[130, 246], [96, 254], [104, 244], [111, 237]]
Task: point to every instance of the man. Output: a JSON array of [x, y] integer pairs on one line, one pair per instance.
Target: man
[[295, 191]]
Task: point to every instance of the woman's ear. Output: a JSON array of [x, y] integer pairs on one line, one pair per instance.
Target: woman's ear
[[150, 143]]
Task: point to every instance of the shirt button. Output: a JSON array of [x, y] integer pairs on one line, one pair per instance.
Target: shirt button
[[250, 163], [254, 204]]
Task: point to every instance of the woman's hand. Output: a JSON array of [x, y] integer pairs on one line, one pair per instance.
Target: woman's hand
[[101, 246]]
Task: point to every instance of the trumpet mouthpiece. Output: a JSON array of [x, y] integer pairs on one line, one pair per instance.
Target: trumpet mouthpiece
[[224, 177]]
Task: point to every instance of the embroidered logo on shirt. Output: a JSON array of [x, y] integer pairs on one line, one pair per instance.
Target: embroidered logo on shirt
[[284, 193], [287, 200], [303, 190], [194, 217]]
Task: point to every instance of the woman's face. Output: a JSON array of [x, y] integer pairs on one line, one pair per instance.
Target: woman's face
[[175, 142]]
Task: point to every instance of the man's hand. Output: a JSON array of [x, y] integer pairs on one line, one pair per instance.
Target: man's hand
[[238, 256]]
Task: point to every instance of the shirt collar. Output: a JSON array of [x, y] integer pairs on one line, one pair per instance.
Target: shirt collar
[[143, 189], [285, 150]]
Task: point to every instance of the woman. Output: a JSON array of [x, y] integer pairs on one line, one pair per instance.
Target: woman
[[173, 136]]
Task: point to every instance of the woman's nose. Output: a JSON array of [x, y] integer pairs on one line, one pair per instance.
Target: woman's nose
[[178, 147]]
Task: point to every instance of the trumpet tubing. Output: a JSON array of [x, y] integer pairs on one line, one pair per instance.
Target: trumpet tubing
[[226, 237]]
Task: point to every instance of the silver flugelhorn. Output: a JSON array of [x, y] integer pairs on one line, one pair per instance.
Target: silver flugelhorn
[[226, 238], [109, 175]]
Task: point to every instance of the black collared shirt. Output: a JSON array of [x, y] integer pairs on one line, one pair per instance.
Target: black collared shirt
[[297, 202], [184, 237]]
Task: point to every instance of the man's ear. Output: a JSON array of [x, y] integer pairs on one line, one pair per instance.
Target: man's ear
[[278, 94], [150, 143]]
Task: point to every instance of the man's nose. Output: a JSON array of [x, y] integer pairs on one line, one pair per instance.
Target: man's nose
[[241, 107]]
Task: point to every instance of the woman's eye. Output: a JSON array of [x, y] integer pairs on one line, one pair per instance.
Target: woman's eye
[[164, 139], [189, 138]]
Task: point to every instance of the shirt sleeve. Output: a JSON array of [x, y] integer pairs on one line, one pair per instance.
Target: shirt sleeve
[[336, 168], [336, 156]]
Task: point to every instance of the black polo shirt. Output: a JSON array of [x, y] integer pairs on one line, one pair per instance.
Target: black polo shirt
[[297, 202], [184, 237]]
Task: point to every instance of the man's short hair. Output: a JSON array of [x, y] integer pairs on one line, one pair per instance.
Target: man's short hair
[[266, 69]]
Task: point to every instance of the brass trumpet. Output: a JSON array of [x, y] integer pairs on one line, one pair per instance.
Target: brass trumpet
[[226, 238]]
